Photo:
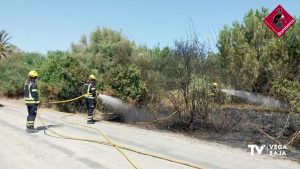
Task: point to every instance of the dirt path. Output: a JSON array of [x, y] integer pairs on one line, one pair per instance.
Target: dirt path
[[20, 150]]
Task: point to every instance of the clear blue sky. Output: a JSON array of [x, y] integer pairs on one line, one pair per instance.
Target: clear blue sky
[[42, 25]]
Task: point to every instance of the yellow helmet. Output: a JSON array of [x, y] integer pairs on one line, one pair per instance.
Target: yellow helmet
[[92, 77], [215, 84], [33, 74]]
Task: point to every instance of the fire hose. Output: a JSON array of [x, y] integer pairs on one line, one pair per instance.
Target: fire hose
[[109, 141]]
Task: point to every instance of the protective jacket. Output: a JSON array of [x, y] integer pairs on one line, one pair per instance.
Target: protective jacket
[[31, 93], [90, 90]]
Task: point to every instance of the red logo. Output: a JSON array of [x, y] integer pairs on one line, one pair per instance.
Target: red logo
[[279, 20]]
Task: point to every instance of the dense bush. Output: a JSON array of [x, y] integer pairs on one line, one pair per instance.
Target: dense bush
[[288, 91], [61, 76], [126, 83], [14, 72], [104, 50]]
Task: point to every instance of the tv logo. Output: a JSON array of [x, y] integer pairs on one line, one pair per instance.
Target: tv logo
[[257, 148], [272, 149]]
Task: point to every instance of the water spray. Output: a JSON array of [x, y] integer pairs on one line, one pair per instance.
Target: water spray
[[127, 112], [256, 98], [112, 102]]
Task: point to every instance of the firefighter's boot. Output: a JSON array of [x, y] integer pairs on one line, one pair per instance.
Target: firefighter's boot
[[90, 120], [31, 129]]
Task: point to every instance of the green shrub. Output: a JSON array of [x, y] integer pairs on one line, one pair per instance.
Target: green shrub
[[288, 91], [126, 83], [14, 71], [61, 76]]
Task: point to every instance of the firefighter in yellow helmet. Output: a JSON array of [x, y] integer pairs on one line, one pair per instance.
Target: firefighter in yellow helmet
[[215, 95], [90, 97], [32, 100], [214, 88]]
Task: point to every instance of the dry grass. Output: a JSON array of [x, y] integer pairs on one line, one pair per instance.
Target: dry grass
[[256, 108]]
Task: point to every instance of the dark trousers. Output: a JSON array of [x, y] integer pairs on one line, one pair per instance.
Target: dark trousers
[[90, 105], [32, 109]]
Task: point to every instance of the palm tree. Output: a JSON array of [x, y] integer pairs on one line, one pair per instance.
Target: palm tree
[[5, 46]]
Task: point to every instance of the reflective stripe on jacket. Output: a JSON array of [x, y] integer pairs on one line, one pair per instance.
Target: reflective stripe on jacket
[[90, 90], [31, 93]]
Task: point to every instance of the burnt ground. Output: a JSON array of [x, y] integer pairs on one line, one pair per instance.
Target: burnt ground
[[238, 128], [235, 126]]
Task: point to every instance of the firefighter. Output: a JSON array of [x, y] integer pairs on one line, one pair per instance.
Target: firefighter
[[32, 100], [90, 97], [215, 93], [214, 88]]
